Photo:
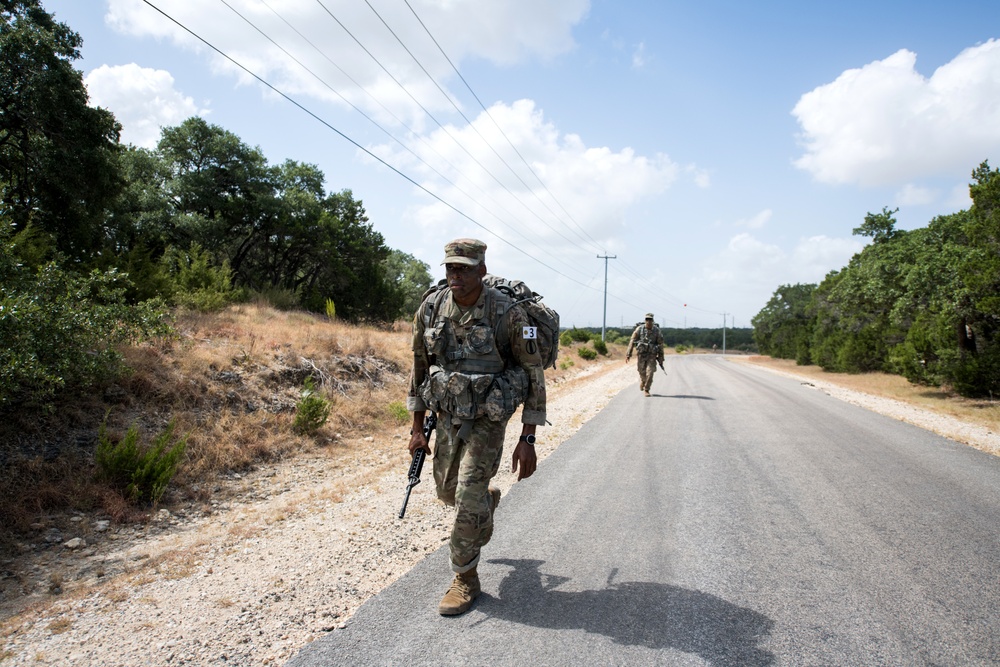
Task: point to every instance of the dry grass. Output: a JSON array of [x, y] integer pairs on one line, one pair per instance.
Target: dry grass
[[230, 381], [977, 411]]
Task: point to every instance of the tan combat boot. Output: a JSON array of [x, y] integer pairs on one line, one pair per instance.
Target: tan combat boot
[[463, 592]]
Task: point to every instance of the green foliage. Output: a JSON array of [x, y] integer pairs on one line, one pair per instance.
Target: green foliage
[[600, 346], [195, 282], [411, 276], [398, 412], [331, 310], [566, 364], [574, 335], [277, 297], [681, 348], [62, 331], [783, 327], [587, 353], [141, 474], [312, 410], [615, 336], [58, 165]]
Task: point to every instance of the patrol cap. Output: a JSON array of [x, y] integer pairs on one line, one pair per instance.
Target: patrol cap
[[649, 316], [465, 251]]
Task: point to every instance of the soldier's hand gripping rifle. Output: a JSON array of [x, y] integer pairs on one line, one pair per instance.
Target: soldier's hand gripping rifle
[[417, 464], [660, 361]]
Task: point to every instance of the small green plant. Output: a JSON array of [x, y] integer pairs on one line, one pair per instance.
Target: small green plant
[[601, 347], [312, 409], [331, 309], [563, 365], [398, 412], [588, 353], [140, 473], [681, 348]]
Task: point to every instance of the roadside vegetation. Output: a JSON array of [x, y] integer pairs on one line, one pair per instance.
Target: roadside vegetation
[[923, 304]]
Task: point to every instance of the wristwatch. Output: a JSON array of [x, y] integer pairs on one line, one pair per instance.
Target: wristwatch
[[530, 439]]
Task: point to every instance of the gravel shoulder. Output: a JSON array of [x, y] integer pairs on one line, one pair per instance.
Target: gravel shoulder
[[309, 542]]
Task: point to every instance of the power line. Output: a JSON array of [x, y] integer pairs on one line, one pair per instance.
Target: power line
[[352, 141]]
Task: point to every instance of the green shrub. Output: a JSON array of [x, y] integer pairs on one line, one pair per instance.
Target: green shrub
[[312, 410], [681, 348], [398, 412], [566, 363], [587, 353], [331, 309], [141, 474], [62, 330], [600, 346], [196, 282]]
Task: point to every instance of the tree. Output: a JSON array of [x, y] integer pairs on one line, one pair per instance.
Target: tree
[[411, 276], [58, 170], [783, 327]]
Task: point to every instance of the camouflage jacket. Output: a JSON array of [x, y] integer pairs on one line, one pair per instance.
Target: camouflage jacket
[[646, 342], [515, 355]]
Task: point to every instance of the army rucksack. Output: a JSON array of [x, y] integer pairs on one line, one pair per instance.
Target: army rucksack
[[544, 319]]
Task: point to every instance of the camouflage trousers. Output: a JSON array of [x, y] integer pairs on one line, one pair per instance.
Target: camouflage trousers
[[647, 369], [462, 472]]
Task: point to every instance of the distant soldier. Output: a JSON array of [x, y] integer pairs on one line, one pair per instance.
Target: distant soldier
[[647, 341], [475, 360]]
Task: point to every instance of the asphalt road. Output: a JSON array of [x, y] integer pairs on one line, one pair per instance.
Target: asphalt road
[[735, 517]]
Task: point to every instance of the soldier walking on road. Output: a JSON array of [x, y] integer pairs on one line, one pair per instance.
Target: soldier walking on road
[[475, 360], [647, 341]]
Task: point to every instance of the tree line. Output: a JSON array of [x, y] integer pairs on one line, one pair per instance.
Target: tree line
[[924, 303], [98, 238]]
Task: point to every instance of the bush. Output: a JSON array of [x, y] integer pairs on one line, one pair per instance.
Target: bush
[[278, 298], [312, 410], [587, 353], [61, 330], [398, 412], [141, 474], [600, 346], [331, 309], [565, 364], [195, 282]]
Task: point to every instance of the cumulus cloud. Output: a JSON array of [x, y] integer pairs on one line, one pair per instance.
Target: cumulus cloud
[[748, 270], [350, 54], [757, 221], [143, 100], [886, 124], [491, 184], [639, 56]]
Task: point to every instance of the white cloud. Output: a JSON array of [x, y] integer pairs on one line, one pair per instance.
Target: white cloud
[[496, 31], [915, 195], [757, 221], [596, 185], [748, 270], [143, 100], [886, 124], [958, 198], [639, 56]]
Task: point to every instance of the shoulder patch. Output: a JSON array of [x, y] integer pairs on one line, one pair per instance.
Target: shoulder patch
[[529, 333]]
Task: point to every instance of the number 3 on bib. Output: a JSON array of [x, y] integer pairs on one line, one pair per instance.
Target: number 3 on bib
[[529, 333]]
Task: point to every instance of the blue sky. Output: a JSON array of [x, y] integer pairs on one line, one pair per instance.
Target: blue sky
[[717, 149]]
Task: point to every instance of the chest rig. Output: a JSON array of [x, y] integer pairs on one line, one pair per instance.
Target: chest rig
[[469, 375]]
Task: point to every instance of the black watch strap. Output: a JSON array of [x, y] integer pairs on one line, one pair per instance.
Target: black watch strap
[[530, 439]]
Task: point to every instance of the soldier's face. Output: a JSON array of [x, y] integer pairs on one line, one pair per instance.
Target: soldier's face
[[465, 281], [649, 324]]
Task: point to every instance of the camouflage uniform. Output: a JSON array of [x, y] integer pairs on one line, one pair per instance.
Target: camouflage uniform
[[473, 367], [648, 345]]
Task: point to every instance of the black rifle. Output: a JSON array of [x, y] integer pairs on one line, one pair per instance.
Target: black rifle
[[417, 464]]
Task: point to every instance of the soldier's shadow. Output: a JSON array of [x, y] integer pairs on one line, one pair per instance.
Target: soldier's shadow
[[633, 613]]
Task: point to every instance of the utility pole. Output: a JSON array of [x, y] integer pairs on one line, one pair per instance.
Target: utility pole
[[604, 319], [724, 332]]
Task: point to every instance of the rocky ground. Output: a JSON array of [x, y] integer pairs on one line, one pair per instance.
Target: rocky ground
[[253, 580]]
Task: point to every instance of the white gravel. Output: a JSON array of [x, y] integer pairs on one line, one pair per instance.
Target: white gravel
[[257, 580]]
